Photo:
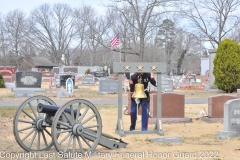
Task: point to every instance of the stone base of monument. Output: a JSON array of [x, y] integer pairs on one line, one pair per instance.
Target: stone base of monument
[[171, 120], [9, 84], [27, 92], [167, 140], [227, 134], [212, 120]]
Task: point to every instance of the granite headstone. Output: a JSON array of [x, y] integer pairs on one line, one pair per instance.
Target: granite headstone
[[28, 79], [231, 120], [60, 79], [62, 94], [108, 86], [88, 80]]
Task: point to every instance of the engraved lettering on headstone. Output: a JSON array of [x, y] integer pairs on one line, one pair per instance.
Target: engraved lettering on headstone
[[235, 121], [28, 80], [236, 112]]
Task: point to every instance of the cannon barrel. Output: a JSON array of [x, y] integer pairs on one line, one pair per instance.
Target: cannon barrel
[[46, 108], [51, 109]]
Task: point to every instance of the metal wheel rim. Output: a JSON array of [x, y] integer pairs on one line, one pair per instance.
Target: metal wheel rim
[[75, 143], [30, 138]]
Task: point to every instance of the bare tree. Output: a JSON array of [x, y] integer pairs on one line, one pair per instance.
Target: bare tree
[[142, 15], [93, 36], [53, 31], [3, 45], [16, 29], [213, 18]]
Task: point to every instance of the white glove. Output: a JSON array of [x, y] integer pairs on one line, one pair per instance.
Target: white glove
[[137, 101]]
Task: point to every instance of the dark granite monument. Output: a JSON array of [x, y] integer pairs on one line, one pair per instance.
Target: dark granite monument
[[60, 79], [28, 79]]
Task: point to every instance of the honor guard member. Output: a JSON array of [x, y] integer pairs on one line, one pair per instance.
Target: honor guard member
[[145, 77]]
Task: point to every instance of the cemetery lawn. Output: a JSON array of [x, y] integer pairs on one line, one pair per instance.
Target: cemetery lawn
[[199, 137]]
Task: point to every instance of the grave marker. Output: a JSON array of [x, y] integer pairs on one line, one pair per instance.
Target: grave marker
[[108, 86], [60, 79], [231, 120], [88, 80], [28, 79], [62, 94], [69, 85], [166, 86]]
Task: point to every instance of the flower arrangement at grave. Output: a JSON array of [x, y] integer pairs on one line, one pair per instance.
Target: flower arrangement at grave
[[87, 71]]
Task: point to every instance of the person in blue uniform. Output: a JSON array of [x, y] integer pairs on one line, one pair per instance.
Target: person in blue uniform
[[145, 79]]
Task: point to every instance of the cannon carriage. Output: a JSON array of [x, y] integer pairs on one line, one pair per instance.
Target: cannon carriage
[[76, 127]]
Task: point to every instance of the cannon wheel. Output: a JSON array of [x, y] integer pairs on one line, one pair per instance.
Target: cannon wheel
[[27, 125], [77, 134]]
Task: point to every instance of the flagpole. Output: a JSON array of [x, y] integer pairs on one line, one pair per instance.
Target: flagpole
[[120, 54]]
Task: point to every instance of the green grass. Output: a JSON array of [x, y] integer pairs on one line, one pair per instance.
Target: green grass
[[7, 111]]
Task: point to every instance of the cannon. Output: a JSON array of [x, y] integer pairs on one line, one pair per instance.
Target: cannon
[[75, 127]]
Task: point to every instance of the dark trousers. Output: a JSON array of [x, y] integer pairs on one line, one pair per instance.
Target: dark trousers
[[134, 113]]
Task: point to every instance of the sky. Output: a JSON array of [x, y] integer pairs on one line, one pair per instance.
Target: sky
[[28, 5]]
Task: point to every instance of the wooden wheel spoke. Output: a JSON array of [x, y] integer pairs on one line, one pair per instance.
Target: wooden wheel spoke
[[89, 118], [37, 105], [29, 133], [28, 115], [63, 131], [80, 144], [30, 105], [44, 138], [26, 128], [93, 135], [71, 110], [85, 140], [20, 120], [68, 118], [78, 110], [33, 138], [64, 124], [82, 116], [74, 145], [92, 126], [38, 142], [65, 138], [68, 144], [47, 131]]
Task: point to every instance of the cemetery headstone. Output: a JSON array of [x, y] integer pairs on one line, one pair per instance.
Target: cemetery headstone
[[167, 86], [216, 105], [88, 80], [62, 94], [60, 79], [231, 120], [46, 76], [108, 86], [69, 85], [28, 79]]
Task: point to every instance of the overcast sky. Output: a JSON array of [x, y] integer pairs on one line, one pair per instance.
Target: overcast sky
[[28, 5]]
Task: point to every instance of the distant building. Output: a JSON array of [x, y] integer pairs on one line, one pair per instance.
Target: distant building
[[36, 64], [204, 66]]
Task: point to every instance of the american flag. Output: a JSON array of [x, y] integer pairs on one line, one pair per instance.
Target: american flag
[[115, 41]]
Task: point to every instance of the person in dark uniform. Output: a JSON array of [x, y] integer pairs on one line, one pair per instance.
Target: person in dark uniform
[[145, 78]]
